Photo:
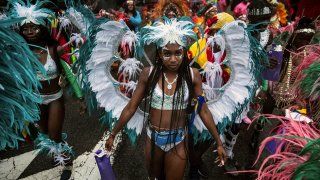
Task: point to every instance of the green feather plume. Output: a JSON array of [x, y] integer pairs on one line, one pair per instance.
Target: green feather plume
[[310, 169]]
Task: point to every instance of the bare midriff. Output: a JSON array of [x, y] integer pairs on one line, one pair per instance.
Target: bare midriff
[[50, 86], [161, 121]]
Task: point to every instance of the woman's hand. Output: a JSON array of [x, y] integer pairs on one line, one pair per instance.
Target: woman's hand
[[272, 63], [109, 143], [102, 12], [222, 155]]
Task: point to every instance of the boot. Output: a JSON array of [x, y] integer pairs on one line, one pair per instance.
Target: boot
[[193, 174], [230, 139], [256, 134], [66, 173], [203, 170]]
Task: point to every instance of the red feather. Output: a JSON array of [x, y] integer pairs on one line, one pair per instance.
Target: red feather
[[212, 21]]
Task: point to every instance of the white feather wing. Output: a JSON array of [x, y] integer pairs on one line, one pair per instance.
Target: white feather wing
[[102, 83], [238, 90]]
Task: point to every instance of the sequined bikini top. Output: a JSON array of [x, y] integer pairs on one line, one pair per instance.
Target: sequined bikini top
[[156, 101], [51, 69]]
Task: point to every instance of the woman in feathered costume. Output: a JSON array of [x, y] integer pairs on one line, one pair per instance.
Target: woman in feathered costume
[[34, 29], [170, 85], [293, 56], [281, 93], [296, 146]]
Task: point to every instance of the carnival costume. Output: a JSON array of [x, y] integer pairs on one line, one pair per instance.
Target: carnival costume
[[307, 86], [19, 85], [215, 86], [104, 40], [34, 13], [295, 147], [259, 14], [217, 22], [282, 91]]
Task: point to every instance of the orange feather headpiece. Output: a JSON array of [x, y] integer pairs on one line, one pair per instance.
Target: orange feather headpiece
[[180, 5]]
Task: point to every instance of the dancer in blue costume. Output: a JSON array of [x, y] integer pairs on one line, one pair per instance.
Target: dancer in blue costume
[[171, 84]]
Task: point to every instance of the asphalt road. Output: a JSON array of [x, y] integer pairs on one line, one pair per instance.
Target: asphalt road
[[83, 135]]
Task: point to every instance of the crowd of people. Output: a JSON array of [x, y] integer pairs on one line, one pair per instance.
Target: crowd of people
[[189, 72]]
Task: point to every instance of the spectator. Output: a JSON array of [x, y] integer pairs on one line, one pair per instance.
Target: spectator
[[134, 15]]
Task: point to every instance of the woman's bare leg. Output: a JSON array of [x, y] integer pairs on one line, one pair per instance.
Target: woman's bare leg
[[156, 155], [56, 119], [43, 122], [175, 162]]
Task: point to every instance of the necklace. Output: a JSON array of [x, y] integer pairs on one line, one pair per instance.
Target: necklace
[[169, 85]]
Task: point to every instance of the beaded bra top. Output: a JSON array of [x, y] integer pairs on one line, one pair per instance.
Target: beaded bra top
[[167, 103], [51, 68]]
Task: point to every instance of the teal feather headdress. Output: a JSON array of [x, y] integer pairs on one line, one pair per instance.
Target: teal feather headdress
[[169, 31], [34, 13]]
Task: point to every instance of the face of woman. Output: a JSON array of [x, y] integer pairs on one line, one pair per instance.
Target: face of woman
[[130, 6], [213, 12], [31, 32], [171, 11], [172, 56], [171, 15]]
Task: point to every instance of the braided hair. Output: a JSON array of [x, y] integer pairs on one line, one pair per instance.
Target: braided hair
[[184, 80]]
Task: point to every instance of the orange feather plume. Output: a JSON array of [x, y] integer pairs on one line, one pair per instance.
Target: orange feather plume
[[282, 14], [182, 6]]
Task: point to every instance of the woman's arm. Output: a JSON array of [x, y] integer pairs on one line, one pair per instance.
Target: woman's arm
[[206, 115], [135, 20], [131, 107]]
